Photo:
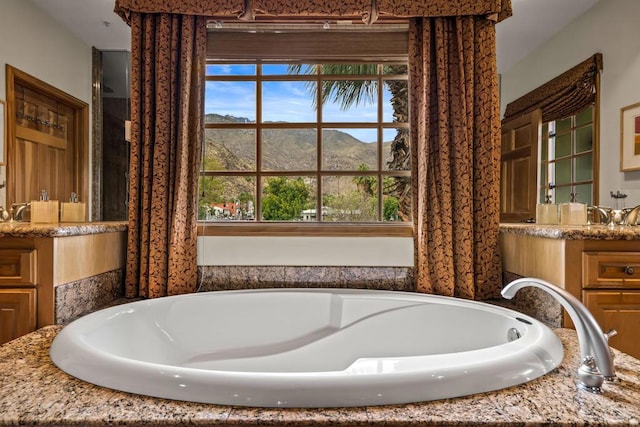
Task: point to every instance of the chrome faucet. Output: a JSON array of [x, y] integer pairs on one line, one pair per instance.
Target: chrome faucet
[[631, 216], [4, 215], [597, 358], [602, 215], [17, 211]]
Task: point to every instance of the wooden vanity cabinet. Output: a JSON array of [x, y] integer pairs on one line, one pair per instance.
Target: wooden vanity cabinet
[[17, 293], [611, 291], [599, 266]]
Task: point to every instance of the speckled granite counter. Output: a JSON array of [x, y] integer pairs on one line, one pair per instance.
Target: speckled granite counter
[[35, 392], [26, 229], [587, 232]]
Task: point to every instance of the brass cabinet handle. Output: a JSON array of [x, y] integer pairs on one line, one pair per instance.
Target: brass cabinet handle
[[629, 270]]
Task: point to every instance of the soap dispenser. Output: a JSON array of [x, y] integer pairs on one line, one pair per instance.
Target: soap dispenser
[[44, 210], [73, 211], [573, 213], [547, 212]]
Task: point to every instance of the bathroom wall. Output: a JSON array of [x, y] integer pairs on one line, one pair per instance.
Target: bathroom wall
[[36, 44], [610, 27]]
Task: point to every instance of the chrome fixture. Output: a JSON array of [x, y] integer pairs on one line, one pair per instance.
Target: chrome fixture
[[17, 211], [4, 214], [613, 217], [631, 216], [598, 215], [597, 359]]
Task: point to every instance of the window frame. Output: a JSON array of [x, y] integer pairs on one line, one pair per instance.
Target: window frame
[[314, 228], [546, 187]]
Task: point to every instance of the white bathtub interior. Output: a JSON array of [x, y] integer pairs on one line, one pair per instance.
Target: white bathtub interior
[[306, 348]]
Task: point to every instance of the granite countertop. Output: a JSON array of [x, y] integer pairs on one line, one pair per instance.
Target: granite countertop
[[586, 232], [26, 229], [34, 391]]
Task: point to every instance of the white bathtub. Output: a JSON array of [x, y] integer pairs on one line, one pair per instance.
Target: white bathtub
[[306, 348]]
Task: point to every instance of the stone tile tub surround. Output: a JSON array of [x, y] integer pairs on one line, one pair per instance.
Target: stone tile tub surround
[[35, 392], [222, 278], [535, 303], [75, 299]]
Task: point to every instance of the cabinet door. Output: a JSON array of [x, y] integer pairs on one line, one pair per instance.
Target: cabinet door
[[619, 310], [519, 157], [17, 313]]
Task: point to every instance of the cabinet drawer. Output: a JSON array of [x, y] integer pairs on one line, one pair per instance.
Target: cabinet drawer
[[611, 269], [17, 267]]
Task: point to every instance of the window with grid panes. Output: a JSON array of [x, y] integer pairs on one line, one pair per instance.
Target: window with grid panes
[[282, 144], [566, 158]]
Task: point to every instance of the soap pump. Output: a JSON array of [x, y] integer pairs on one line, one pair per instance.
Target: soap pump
[[547, 212], [44, 210], [73, 211], [573, 213]]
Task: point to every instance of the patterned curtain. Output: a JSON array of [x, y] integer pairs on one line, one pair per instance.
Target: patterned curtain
[[455, 125], [167, 91]]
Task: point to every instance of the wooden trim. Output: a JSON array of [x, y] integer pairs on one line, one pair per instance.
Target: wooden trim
[[305, 230], [39, 137], [3, 133], [46, 293], [595, 149]]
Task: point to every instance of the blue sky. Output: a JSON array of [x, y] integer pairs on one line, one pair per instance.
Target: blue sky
[[284, 101]]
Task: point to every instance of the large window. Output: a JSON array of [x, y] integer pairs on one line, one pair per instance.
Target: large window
[[305, 142], [567, 165]]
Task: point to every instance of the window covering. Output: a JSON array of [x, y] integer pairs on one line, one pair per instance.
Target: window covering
[[317, 46], [563, 96], [368, 10]]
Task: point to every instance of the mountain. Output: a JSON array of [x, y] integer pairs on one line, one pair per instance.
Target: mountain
[[285, 149]]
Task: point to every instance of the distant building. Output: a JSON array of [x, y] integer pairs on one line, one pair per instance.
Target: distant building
[[311, 215], [225, 209]]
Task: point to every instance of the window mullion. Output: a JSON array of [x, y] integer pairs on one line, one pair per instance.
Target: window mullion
[[319, 140], [258, 142]]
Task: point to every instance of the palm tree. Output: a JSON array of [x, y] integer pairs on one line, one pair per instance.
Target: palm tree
[[353, 92]]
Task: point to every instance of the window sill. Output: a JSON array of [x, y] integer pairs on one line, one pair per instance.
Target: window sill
[[305, 229]]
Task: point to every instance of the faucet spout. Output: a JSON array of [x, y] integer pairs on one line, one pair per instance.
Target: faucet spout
[[17, 210], [597, 359], [631, 216]]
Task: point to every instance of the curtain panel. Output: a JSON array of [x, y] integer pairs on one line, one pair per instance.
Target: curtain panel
[[563, 96], [167, 87], [455, 128]]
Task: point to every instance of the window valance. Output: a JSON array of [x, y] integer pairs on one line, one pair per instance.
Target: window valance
[[562, 96], [369, 10]]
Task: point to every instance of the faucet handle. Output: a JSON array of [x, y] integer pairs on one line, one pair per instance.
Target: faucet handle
[[590, 377], [610, 333]]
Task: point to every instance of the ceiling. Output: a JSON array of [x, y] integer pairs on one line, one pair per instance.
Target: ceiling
[[533, 22]]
